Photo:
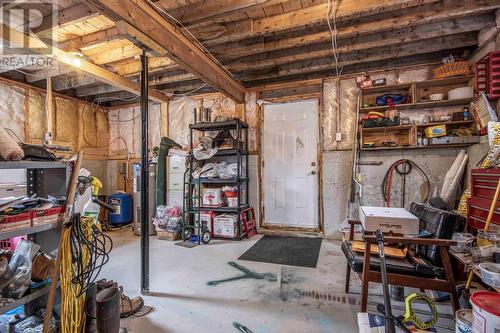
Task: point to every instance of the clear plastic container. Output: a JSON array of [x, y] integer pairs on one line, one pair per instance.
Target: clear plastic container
[[464, 242], [490, 274], [488, 238]]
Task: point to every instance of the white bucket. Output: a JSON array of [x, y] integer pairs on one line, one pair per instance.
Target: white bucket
[[463, 321], [486, 312], [232, 202]]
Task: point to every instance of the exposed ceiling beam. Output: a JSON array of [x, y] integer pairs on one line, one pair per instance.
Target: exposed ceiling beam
[[42, 74], [91, 40], [390, 39], [66, 17], [90, 90], [313, 15], [19, 39], [210, 9], [427, 15], [360, 68], [133, 67], [376, 54], [154, 27]]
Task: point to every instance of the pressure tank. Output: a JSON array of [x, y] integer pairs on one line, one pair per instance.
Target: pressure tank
[[123, 208]]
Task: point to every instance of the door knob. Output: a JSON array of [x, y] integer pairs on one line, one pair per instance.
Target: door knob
[[313, 172]]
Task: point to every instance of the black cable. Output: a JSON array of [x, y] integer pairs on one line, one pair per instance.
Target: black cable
[[97, 245]]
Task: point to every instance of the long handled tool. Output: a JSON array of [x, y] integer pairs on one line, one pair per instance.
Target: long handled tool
[[67, 215], [390, 326]]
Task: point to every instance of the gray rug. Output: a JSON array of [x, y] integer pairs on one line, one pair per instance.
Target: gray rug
[[292, 251]]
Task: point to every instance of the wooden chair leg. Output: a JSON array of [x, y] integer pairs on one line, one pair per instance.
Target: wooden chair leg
[[347, 278], [445, 258], [365, 282]]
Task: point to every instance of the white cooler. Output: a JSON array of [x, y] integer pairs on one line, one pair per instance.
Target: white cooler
[[397, 220]]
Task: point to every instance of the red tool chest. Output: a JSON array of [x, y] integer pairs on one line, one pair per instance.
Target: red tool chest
[[488, 75], [483, 186]]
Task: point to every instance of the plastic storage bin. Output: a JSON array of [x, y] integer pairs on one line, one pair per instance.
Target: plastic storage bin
[[490, 274], [464, 242]]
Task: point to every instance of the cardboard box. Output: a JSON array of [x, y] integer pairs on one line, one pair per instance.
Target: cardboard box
[[13, 222], [226, 225], [206, 218], [397, 220], [54, 214], [12, 190], [212, 197], [168, 235]]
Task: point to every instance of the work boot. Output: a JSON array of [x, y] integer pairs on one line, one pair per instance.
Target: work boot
[[130, 306]]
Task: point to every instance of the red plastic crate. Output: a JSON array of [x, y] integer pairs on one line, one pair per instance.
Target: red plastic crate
[[484, 183], [488, 75]]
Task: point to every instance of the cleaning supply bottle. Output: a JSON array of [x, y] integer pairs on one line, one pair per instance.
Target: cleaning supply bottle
[[466, 113]]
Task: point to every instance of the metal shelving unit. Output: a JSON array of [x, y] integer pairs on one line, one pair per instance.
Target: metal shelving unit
[[43, 179], [238, 151]]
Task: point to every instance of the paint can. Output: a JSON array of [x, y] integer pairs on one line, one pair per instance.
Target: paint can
[[485, 312], [463, 321]]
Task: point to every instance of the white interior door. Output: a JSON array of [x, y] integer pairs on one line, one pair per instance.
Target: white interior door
[[290, 168]]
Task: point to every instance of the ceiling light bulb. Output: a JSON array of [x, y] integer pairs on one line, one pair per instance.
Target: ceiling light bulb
[[77, 62]]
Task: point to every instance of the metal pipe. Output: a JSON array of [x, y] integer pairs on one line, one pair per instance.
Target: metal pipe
[[144, 177], [389, 319]]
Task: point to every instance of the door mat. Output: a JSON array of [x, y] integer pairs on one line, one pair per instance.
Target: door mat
[[292, 251]]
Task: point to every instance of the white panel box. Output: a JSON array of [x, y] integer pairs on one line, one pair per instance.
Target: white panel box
[[397, 220]]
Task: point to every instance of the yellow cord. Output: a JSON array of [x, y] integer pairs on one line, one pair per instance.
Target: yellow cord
[[410, 314], [72, 303]]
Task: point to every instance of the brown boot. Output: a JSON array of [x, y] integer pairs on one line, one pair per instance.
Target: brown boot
[[130, 306]]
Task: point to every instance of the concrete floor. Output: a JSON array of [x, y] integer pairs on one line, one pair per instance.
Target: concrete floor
[[298, 300]]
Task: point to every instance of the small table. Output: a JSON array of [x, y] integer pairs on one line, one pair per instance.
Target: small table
[[466, 260]]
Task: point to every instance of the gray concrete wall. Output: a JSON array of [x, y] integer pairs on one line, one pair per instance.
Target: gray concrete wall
[[337, 172]]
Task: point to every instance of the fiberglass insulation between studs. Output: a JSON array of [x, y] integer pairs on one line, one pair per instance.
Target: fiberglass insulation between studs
[[12, 109], [125, 129]]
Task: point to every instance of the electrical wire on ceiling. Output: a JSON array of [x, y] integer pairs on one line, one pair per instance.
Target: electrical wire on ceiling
[[333, 35], [179, 23], [338, 69], [184, 94]]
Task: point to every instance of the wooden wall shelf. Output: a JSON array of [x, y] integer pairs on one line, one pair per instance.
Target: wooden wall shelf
[[418, 93]]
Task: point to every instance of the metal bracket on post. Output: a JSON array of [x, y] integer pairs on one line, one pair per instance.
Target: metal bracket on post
[[144, 177]]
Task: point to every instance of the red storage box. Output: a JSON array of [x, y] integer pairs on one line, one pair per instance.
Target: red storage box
[[488, 75], [13, 222], [51, 215], [478, 210], [484, 183]]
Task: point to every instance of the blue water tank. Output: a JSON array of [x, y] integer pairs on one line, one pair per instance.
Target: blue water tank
[[123, 208]]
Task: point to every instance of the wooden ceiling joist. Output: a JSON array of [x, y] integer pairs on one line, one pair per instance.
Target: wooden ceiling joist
[[376, 54], [210, 9], [19, 39], [390, 39], [91, 40], [312, 15], [429, 15], [66, 17], [153, 27]]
